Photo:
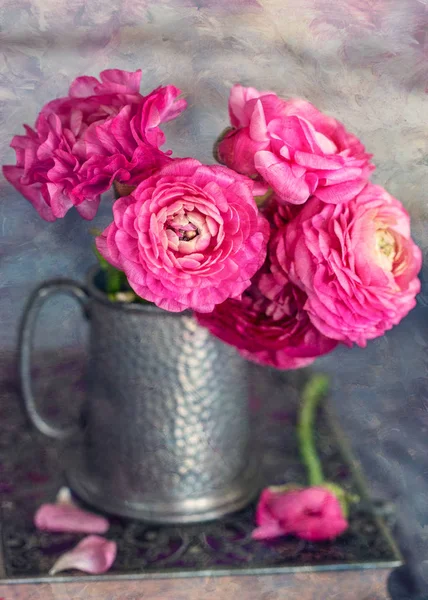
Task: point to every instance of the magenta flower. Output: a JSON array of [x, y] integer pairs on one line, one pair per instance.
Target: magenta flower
[[356, 262], [125, 147], [53, 160], [293, 147], [313, 514], [189, 236], [93, 101], [47, 169], [269, 324]]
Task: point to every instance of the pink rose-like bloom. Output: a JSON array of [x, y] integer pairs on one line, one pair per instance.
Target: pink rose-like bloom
[[269, 325], [313, 514], [355, 261], [125, 147], [52, 160], [47, 165], [93, 101], [189, 236], [293, 147]]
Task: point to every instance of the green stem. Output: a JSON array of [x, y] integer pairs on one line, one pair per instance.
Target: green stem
[[114, 280], [314, 390]]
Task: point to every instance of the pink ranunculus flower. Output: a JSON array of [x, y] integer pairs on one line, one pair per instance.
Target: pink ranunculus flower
[[47, 169], [293, 147], [52, 160], [313, 514], [356, 262], [269, 325], [47, 164], [93, 101], [188, 237], [125, 147]]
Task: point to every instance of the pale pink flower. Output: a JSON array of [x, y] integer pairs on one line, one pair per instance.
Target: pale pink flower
[[189, 236], [313, 514], [356, 262], [293, 147], [94, 555]]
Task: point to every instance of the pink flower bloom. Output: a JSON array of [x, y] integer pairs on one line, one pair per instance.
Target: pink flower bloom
[[53, 160], [313, 514], [92, 101], [94, 555], [190, 236], [293, 147], [269, 325], [67, 517], [47, 169], [355, 261], [125, 147]]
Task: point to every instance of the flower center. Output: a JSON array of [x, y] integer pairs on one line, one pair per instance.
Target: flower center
[[385, 248], [187, 231], [182, 226]]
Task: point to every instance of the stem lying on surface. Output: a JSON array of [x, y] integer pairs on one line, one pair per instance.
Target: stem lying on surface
[[314, 391]]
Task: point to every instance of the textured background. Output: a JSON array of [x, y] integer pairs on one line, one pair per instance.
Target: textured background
[[363, 61]]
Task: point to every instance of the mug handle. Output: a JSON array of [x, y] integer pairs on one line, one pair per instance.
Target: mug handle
[[26, 335]]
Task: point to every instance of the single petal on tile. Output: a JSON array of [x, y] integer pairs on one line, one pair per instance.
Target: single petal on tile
[[66, 517], [94, 555]]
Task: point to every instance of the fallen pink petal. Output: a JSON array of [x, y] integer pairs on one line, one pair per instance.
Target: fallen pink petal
[[69, 518], [94, 555]]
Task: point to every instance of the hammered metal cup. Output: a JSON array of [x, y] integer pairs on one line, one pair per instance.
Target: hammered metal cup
[[167, 436]]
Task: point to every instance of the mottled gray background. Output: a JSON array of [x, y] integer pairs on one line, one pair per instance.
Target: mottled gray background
[[363, 61]]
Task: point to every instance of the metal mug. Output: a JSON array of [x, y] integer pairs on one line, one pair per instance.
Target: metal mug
[[167, 434]]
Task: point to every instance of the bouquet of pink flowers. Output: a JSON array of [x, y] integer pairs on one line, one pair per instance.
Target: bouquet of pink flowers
[[284, 251]]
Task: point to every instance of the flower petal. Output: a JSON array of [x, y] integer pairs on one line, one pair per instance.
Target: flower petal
[[267, 532], [67, 517], [341, 192], [280, 177], [92, 555]]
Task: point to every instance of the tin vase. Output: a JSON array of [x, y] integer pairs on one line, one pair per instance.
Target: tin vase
[[166, 435]]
